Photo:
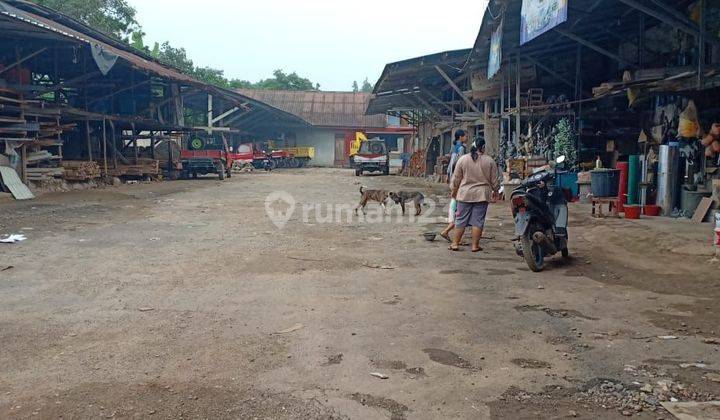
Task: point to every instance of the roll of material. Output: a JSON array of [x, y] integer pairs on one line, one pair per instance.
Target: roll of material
[[633, 188], [624, 169], [668, 184]]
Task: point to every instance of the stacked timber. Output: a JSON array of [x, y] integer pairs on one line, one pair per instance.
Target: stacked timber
[[43, 166], [417, 167], [44, 174], [29, 120], [80, 170], [140, 167]]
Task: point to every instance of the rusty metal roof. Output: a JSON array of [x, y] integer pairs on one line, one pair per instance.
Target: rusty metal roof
[[322, 109]]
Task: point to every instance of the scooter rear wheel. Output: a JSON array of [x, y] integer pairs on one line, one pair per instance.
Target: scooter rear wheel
[[533, 254]]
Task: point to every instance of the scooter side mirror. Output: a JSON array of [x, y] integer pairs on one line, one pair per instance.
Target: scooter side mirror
[[561, 159]]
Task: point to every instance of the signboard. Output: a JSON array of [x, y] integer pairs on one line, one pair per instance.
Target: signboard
[[539, 16], [495, 59]]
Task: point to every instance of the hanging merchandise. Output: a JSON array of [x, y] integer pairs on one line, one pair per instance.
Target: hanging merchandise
[[689, 125]]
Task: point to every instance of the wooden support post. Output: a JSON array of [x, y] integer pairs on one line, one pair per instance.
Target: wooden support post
[[152, 144], [518, 100], [210, 113], [88, 139], [23, 165], [105, 163], [578, 95], [502, 107], [641, 41], [702, 46], [134, 142]]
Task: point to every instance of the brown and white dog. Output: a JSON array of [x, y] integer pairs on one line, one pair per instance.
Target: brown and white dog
[[379, 196]]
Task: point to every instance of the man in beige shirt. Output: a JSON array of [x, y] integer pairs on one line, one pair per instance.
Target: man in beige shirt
[[475, 182]]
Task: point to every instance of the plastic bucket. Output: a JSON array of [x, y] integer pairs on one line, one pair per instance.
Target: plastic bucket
[[605, 183], [569, 181], [652, 210], [632, 212]]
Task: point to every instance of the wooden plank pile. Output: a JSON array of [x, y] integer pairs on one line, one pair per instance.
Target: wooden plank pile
[[80, 170], [44, 174], [26, 120], [43, 166], [140, 167], [417, 167]]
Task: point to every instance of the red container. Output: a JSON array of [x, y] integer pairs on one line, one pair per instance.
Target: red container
[[651, 210], [622, 194], [632, 212]]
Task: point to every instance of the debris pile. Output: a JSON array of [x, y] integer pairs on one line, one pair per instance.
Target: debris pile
[[630, 400]]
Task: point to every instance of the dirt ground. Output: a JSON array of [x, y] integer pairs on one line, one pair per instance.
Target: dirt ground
[[184, 300]]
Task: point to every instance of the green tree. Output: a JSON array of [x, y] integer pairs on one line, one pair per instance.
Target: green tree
[[176, 57], [240, 84], [367, 87], [114, 17], [565, 142], [355, 87], [284, 81]]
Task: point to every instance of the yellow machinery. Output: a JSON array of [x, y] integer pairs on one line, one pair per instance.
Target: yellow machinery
[[301, 152], [355, 146]]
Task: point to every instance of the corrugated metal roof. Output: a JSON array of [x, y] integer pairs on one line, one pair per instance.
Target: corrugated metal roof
[[324, 109], [13, 182], [51, 21]]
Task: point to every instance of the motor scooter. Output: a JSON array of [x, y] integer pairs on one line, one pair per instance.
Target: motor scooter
[[540, 210]]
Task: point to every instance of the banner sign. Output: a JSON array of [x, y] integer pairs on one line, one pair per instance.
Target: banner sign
[[539, 16], [495, 59]]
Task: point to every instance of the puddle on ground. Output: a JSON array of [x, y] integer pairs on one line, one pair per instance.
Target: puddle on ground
[[499, 272], [416, 371], [397, 411], [468, 272], [389, 364], [448, 358], [531, 364], [555, 313], [334, 360]]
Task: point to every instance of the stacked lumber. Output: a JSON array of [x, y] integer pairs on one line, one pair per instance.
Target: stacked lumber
[[44, 174], [140, 167], [417, 167], [80, 170], [30, 120]]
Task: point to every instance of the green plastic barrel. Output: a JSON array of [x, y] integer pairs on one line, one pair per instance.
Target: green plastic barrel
[[634, 180]]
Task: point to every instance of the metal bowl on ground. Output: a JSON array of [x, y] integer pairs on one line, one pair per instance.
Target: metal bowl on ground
[[430, 236]]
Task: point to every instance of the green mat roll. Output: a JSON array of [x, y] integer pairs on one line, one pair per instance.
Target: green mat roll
[[634, 180]]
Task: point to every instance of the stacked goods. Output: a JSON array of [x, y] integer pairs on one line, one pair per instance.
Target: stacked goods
[[534, 163], [140, 167], [44, 174], [42, 166], [712, 141], [516, 166], [80, 170], [25, 120], [418, 164]]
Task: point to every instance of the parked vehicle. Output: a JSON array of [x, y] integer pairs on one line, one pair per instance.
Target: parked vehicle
[[216, 159], [372, 156], [302, 155], [540, 209], [249, 153], [291, 157]]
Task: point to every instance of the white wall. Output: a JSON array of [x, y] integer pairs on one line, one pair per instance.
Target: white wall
[[323, 140]]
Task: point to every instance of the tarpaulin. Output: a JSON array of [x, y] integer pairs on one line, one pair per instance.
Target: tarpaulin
[[104, 59]]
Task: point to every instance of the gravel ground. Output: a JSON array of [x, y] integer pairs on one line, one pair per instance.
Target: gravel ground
[[184, 300]]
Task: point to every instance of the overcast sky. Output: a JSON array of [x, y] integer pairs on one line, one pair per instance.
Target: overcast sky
[[330, 42]]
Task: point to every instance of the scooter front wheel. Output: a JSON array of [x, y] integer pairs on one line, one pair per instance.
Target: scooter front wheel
[[533, 254]]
